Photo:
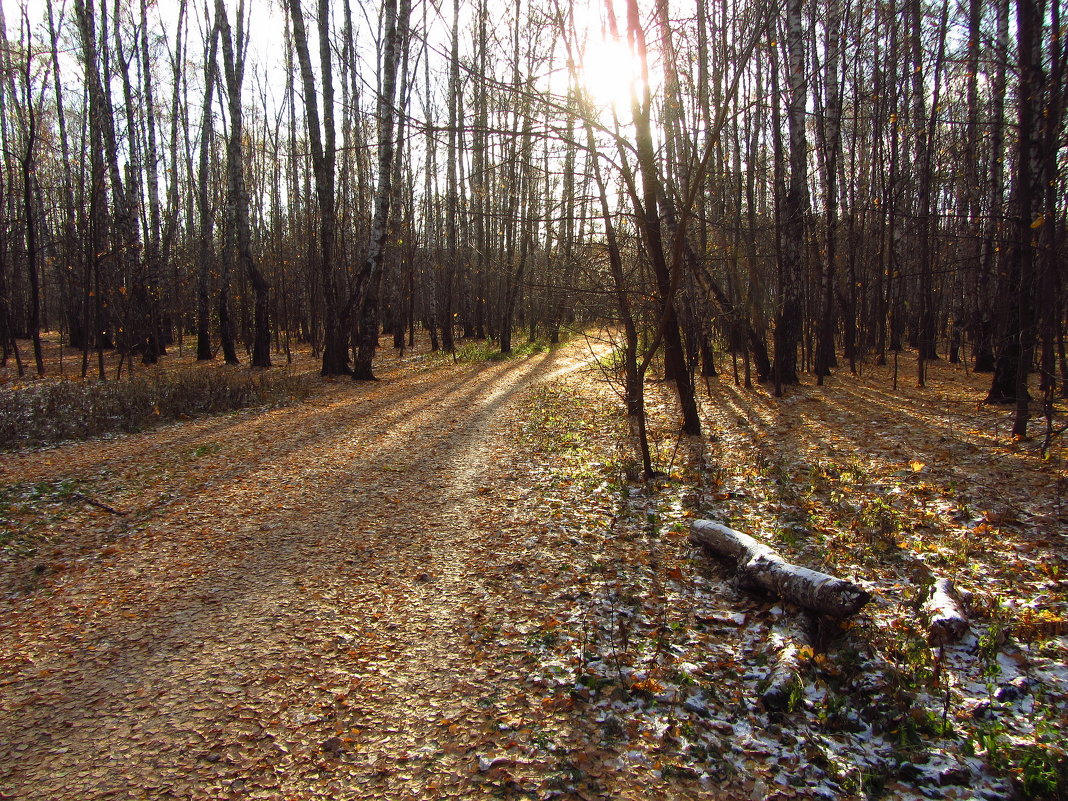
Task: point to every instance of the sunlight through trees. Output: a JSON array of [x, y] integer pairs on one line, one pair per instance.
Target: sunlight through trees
[[784, 184]]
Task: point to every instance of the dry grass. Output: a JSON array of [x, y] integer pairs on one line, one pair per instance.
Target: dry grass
[[62, 405]]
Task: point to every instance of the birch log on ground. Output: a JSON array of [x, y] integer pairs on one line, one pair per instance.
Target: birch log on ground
[[784, 680], [760, 567], [947, 621]]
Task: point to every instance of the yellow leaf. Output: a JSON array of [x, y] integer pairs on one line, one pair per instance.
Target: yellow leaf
[[651, 686], [916, 466]]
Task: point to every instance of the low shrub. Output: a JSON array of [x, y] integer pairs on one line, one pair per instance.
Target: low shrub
[[44, 412]]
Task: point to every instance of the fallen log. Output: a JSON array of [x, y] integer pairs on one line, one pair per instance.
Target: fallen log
[[760, 567], [784, 684], [947, 622]]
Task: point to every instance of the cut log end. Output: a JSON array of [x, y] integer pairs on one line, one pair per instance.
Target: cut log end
[[779, 695], [947, 622], [785, 686]]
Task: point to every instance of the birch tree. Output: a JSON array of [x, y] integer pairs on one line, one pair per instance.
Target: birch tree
[[322, 138], [369, 279]]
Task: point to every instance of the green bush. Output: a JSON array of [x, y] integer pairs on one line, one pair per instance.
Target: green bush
[[43, 412]]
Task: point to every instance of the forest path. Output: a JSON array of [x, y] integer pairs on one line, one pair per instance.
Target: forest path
[[296, 605], [441, 585]]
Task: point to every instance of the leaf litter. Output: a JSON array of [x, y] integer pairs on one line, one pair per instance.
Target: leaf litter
[[443, 585], [876, 712]]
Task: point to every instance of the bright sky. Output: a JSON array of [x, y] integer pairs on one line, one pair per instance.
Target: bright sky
[[609, 71]]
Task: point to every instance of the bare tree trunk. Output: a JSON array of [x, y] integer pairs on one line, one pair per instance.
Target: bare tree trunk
[[925, 129], [1029, 199], [452, 200], [324, 160], [429, 207], [794, 208], [153, 342], [77, 315], [973, 189], [831, 118], [987, 323], [1052, 263], [173, 310], [404, 217], [647, 213], [28, 163], [479, 183], [102, 118], [633, 377], [369, 280], [211, 68], [234, 65]]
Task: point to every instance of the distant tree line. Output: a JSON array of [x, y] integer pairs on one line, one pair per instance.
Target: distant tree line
[[802, 186]]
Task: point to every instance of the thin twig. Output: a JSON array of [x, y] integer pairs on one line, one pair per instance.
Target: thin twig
[[98, 504]]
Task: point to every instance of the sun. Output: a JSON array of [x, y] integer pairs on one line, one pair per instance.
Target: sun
[[609, 73]]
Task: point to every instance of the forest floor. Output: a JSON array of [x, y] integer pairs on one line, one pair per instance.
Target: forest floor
[[444, 584]]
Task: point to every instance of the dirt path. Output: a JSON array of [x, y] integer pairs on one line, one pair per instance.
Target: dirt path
[[295, 607]]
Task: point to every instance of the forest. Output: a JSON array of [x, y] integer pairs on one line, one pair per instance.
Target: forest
[[533, 399]]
